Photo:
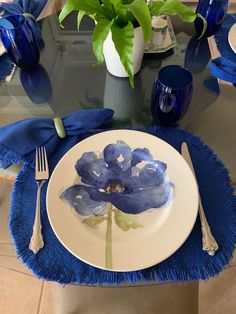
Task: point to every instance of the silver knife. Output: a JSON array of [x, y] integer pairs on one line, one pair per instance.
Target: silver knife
[[209, 243]]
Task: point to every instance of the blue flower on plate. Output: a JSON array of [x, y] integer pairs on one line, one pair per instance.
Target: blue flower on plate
[[131, 180]]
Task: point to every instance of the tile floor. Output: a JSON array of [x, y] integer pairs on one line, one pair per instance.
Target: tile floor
[[22, 293]]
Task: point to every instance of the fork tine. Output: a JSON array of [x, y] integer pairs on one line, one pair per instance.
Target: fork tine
[[42, 159], [45, 159], [36, 159]]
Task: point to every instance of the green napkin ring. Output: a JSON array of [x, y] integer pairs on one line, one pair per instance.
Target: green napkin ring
[[59, 127], [28, 15]]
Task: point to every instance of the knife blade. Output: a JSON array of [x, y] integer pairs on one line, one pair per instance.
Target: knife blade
[[209, 243]]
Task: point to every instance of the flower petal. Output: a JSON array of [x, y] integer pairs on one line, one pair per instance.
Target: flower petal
[[142, 199], [92, 170], [139, 155], [78, 198], [118, 156]]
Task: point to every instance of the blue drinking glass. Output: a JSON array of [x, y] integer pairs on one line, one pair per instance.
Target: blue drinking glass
[[171, 94], [19, 40], [214, 12]]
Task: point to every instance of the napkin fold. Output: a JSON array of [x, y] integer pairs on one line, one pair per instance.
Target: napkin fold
[[224, 69], [18, 140]]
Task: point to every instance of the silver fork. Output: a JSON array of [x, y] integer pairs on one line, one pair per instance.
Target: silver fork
[[41, 176]]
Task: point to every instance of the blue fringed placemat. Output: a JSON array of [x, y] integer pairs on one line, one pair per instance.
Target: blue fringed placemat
[[221, 38], [55, 263]]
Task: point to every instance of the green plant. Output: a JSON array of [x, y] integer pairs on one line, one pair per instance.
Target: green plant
[[121, 17]]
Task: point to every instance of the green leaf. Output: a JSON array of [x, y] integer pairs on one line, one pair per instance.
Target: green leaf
[[204, 24], [67, 9], [126, 221], [140, 10], [172, 7], [123, 41], [108, 9], [94, 221], [100, 33], [79, 18]]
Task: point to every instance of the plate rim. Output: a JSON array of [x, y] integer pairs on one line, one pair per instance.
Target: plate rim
[[232, 28], [148, 264]]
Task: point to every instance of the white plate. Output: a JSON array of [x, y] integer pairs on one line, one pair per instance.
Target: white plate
[[160, 231], [232, 37]]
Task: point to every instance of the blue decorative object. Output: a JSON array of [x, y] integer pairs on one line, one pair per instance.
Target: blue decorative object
[[36, 84], [171, 94], [197, 54], [19, 41], [114, 177], [214, 12], [41, 132], [190, 262], [31, 8]]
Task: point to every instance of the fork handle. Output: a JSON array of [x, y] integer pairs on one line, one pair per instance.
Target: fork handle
[[36, 241], [209, 243]]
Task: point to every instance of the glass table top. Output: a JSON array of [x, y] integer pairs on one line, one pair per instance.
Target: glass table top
[[68, 80]]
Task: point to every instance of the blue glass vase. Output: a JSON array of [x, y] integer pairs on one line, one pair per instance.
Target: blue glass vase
[[19, 40], [214, 12]]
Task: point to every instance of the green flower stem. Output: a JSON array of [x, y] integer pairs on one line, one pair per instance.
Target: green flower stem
[[108, 263]]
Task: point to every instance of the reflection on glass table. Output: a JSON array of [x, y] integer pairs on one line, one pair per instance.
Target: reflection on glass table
[[122, 98], [77, 84], [36, 84]]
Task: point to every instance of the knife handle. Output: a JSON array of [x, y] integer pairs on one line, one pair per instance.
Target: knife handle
[[209, 243]]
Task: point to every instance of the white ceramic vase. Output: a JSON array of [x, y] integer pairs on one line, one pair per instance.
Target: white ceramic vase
[[112, 59]]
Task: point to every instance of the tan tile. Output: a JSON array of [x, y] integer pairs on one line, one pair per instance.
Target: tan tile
[[164, 299], [5, 191], [19, 293], [217, 295], [46, 304], [14, 263], [233, 262], [7, 249]]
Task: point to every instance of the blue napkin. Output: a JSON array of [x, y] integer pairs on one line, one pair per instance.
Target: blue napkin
[[33, 7], [224, 69], [19, 140]]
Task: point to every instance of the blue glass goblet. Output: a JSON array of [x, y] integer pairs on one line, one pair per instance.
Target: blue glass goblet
[[214, 12], [19, 40], [171, 94]]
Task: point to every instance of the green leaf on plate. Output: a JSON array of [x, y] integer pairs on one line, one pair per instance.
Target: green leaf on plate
[[94, 221], [126, 221]]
